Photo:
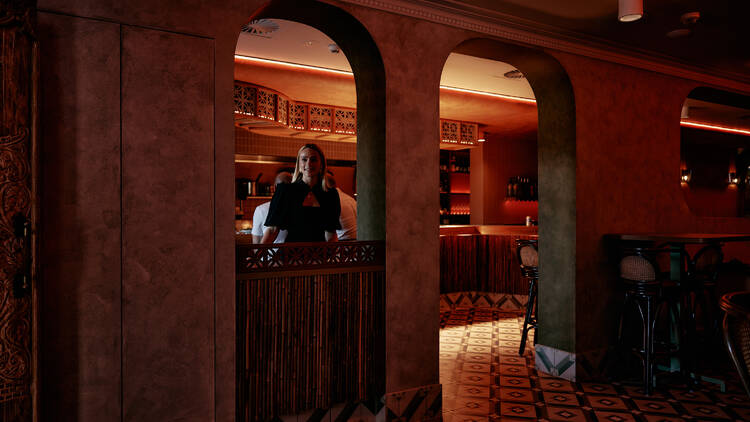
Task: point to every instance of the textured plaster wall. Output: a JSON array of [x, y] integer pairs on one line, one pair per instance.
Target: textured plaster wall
[[628, 157], [124, 344]]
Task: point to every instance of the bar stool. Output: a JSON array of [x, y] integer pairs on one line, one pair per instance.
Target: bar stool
[[699, 289], [649, 293], [528, 258], [736, 327]]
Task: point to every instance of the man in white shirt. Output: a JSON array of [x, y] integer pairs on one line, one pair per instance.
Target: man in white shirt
[[348, 217], [261, 212]]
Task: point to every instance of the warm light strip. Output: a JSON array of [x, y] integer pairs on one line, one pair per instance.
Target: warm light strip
[[347, 73], [489, 94], [714, 127], [293, 65]]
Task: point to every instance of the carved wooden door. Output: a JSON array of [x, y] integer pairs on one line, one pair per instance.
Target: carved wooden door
[[17, 120]]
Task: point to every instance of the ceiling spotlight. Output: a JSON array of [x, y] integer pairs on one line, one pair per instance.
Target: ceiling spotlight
[[630, 10]]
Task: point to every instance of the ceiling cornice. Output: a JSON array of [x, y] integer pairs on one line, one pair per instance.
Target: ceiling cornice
[[499, 25]]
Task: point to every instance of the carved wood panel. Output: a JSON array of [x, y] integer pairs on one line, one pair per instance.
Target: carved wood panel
[[17, 53]]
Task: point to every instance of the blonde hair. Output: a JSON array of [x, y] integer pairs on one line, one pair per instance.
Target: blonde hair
[[321, 177]]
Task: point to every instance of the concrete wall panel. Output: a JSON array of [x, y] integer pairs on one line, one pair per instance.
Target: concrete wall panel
[[168, 282], [80, 219]]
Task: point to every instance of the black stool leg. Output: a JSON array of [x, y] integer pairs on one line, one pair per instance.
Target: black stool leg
[[648, 345], [527, 319]]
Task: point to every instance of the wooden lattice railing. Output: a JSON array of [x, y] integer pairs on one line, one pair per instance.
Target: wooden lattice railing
[[310, 326]]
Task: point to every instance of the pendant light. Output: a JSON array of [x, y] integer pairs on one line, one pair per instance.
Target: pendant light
[[630, 10]]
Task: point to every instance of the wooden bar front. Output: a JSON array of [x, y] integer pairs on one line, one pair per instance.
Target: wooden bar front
[[310, 326], [482, 259]]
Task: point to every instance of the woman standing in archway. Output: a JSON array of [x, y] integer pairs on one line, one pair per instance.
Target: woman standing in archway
[[307, 208]]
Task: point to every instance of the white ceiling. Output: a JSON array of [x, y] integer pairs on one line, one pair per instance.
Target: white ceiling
[[298, 43]]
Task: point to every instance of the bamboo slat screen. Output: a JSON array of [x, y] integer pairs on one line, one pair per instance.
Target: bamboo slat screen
[[309, 338], [484, 263]]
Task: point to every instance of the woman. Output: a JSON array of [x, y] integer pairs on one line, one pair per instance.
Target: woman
[[307, 208]]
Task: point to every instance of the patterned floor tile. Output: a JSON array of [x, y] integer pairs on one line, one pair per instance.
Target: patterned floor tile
[[515, 382], [662, 418], [555, 398], [603, 416], [690, 396], [474, 341], [515, 394], [478, 357], [703, 410], [478, 349], [606, 402], [513, 370], [565, 414], [474, 406], [458, 417], [598, 388], [473, 391], [475, 378], [555, 384], [476, 367], [654, 406], [512, 360], [485, 380], [518, 410]]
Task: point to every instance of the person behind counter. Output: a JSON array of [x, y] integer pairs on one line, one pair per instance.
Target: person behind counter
[[261, 212], [307, 208], [348, 218]]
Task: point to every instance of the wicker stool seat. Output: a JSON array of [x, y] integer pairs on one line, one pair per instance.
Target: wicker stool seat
[[528, 258], [736, 327], [649, 294]]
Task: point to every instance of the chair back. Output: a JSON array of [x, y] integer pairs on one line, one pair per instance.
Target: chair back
[[638, 268], [528, 257], [737, 332], [705, 263]]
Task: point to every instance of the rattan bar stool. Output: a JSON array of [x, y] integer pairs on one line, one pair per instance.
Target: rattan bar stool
[[699, 292], [650, 294], [528, 258], [736, 327]]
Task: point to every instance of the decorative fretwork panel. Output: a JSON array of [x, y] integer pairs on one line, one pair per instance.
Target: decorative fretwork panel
[[297, 116], [320, 118], [301, 256], [449, 131], [244, 99], [468, 133], [345, 121], [266, 108], [282, 106]]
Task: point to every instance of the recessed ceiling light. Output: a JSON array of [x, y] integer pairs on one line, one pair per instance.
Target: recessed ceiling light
[[514, 74], [678, 33], [260, 27]]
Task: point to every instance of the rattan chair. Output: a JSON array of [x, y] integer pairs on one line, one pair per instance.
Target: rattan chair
[[528, 258], [736, 329], [649, 293]]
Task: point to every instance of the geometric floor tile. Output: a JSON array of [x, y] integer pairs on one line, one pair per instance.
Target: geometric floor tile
[[484, 379], [614, 416], [565, 414], [518, 410]]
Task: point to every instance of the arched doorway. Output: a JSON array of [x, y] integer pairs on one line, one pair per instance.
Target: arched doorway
[[543, 129], [319, 347]]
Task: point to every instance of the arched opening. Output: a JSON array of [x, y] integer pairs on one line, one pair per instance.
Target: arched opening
[[310, 316], [714, 154], [547, 173]]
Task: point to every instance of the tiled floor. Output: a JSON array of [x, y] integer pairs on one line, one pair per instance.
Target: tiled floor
[[484, 379]]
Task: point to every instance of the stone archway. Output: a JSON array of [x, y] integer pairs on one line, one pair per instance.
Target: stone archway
[[557, 185]]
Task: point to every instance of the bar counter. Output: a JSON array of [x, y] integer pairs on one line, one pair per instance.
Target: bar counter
[[482, 258]]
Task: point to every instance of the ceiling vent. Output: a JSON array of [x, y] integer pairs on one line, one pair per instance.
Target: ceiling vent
[[262, 27], [514, 74]]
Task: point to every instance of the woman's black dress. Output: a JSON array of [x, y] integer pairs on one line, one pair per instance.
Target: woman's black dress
[[304, 224]]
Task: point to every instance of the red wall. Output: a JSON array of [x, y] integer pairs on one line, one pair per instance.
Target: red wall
[[503, 158]]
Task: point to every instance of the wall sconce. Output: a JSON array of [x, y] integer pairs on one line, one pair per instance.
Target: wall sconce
[[629, 10], [733, 178], [685, 175]]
